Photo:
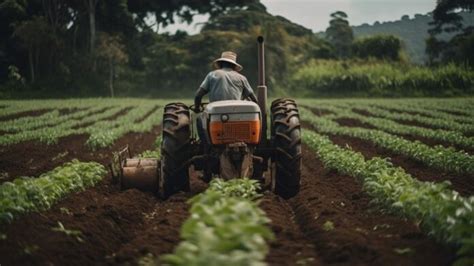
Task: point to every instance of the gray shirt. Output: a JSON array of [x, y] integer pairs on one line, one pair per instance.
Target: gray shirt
[[226, 84]]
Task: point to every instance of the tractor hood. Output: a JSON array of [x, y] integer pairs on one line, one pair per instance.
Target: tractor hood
[[230, 107]]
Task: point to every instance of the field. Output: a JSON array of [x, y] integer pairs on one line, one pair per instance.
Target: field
[[384, 182]]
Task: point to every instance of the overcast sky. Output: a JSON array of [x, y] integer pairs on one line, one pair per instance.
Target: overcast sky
[[314, 14]]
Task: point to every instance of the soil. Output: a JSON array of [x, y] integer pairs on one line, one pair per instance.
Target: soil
[[122, 112], [360, 235], [349, 122], [430, 142], [118, 227], [408, 112], [147, 114], [32, 158], [461, 183], [320, 111], [22, 114]]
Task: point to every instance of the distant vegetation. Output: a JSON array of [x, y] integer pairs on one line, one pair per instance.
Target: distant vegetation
[[413, 31], [112, 48], [379, 79]]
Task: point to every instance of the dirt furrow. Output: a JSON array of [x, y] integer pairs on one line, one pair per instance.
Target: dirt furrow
[[23, 114], [461, 183], [291, 246], [430, 142], [410, 122], [105, 216], [334, 212], [32, 158]]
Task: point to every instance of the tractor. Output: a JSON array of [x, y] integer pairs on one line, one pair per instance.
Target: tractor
[[235, 145]]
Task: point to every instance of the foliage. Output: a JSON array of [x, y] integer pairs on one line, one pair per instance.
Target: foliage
[[27, 194], [446, 15], [340, 34], [383, 47], [93, 117], [439, 157], [413, 31], [386, 123], [225, 227], [376, 79], [447, 19], [441, 212], [54, 42]]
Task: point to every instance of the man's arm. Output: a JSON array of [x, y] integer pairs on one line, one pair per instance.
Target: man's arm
[[248, 92], [203, 90], [198, 98]]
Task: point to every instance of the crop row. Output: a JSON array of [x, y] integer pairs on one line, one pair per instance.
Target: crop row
[[458, 106], [429, 121], [51, 119], [452, 137], [426, 111], [104, 133], [441, 211], [225, 227], [440, 108], [50, 135], [17, 107], [439, 157], [27, 194]]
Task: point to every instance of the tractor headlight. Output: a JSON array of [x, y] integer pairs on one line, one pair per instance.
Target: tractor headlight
[[224, 118]]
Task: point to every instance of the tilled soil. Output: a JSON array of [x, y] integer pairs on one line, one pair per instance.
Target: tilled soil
[[430, 142], [22, 114], [32, 158], [359, 235], [461, 183], [118, 227]]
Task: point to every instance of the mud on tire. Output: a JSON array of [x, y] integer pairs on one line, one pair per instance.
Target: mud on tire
[[286, 139], [175, 149]]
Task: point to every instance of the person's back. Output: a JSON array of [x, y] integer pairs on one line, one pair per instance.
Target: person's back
[[225, 83]]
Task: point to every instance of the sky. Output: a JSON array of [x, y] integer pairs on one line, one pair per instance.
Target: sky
[[314, 14]]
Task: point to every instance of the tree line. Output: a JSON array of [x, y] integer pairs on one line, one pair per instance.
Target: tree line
[[78, 48]]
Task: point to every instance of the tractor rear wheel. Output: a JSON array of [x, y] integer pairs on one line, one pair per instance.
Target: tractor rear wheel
[[175, 149], [286, 139]]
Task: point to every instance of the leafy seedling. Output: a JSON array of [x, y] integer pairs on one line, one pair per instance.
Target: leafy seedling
[[403, 251], [72, 233], [328, 226]]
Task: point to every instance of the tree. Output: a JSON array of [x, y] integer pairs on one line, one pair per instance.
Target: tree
[[446, 15], [340, 34], [447, 18], [112, 51], [384, 47], [33, 34]]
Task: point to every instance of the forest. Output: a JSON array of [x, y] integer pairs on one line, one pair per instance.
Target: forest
[[58, 48], [409, 29]]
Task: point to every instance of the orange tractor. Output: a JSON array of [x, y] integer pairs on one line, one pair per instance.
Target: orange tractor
[[236, 145]]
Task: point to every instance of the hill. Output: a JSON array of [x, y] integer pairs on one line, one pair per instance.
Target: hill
[[413, 32]]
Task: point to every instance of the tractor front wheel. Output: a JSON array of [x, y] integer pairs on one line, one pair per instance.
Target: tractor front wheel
[[175, 150], [286, 139]]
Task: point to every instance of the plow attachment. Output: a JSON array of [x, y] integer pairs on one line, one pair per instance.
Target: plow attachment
[[139, 173]]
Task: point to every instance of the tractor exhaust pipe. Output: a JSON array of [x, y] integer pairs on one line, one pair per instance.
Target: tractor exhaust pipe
[[262, 88]]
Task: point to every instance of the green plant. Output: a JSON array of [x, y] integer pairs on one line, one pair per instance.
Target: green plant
[[442, 212], [25, 194], [225, 227], [72, 233]]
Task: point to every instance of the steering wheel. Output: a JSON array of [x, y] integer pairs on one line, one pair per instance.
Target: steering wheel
[[199, 109]]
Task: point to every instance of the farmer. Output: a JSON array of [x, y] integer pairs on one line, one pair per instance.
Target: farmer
[[225, 82]]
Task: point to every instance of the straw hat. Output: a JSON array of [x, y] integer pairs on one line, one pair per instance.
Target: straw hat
[[230, 57]]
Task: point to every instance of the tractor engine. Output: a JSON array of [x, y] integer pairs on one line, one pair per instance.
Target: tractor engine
[[233, 128]]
